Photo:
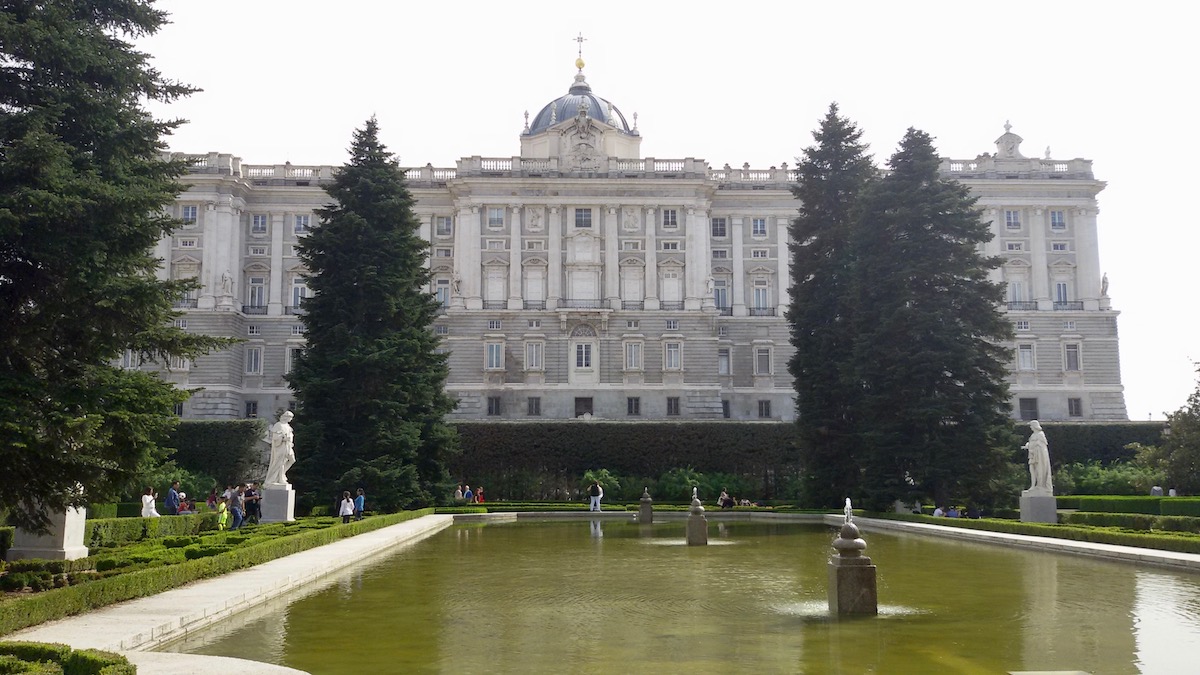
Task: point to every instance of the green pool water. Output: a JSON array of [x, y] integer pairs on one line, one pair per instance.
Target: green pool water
[[592, 596]]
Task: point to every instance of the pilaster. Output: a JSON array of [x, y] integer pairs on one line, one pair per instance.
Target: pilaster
[[612, 292], [554, 257], [1087, 256], [514, 259], [275, 279], [472, 269], [784, 256], [738, 292], [651, 299]]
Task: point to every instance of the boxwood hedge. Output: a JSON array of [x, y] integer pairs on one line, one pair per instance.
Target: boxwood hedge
[[39, 657]]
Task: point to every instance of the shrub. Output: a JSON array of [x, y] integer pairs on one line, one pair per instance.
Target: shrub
[[223, 449], [1118, 478], [36, 657], [1120, 504], [1180, 506], [1104, 442]]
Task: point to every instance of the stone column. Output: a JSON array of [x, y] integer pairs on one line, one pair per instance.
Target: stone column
[[992, 248], [64, 541], [275, 278], [738, 291], [230, 218], [458, 286], [554, 257], [1087, 258], [426, 234], [651, 298], [211, 257], [515, 300], [696, 267], [612, 278], [785, 264], [472, 258], [1037, 259]]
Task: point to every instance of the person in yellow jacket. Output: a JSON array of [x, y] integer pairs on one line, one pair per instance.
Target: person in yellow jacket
[[222, 513]]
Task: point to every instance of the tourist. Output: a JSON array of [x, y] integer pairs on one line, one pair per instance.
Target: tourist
[[724, 501], [212, 499], [346, 510], [1172, 493], [360, 504], [171, 503], [745, 502], [237, 507], [939, 512], [1156, 491], [253, 503], [458, 495], [479, 495], [186, 506], [953, 512], [973, 511], [222, 512], [148, 508], [596, 492], [468, 496]]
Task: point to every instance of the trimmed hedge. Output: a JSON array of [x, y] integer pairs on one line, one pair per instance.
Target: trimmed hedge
[[39, 657], [33, 609], [1180, 506], [1104, 442], [1134, 521], [514, 458], [1164, 541], [223, 449], [1165, 506]]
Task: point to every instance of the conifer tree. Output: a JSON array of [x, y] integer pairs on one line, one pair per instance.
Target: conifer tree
[[370, 383], [934, 414], [83, 192], [832, 175]]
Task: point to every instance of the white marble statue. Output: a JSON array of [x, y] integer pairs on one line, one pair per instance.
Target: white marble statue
[[1104, 285], [1039, 460], [226, 283], [283, 455]]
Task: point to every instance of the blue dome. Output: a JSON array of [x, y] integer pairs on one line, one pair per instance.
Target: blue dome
[[568, 106]]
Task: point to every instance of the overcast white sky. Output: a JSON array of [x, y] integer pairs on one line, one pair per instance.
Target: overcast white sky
[[733, 82]]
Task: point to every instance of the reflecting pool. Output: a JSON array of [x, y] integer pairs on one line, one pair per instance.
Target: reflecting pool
[[581, 596]]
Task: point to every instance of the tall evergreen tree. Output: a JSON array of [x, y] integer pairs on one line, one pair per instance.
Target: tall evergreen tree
[[371, 382], [832, 175], [83, 192], [934, 413]]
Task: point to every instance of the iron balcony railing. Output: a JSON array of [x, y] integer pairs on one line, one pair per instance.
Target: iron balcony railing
[[582, 304], [535, 304], [1068, 305], [254, 309], [1023, 305], [762, 311], [671, 305], [632, 304]]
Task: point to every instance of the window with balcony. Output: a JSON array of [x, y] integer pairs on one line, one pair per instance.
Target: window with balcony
[[256, 292], [442, 292]]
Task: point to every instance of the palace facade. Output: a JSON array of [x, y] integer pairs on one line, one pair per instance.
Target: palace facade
[[580, 278]]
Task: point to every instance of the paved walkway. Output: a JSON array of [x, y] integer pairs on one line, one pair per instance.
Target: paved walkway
[[136, 626]]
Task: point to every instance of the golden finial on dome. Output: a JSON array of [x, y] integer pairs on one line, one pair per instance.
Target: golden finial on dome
[[579, 61]]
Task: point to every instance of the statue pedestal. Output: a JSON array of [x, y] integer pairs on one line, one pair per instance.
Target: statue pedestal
[[63, 542], [278, 504], [646, 511], [1038, 506], [852, 586]]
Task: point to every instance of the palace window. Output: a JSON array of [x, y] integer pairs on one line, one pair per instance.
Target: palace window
[[720, 254], [297, 329], [1012, 220], [535, 323], [493, 403], [1071, 357], [764, 409], [1059, 246], [673, 406], [189, 215], [495, 244], [633, 406], [1014, 246], [187, 243], [495, 324], [256, 292], [258, 250], [718, 227], [258, 224], [441, 330], [670, 246], [758, 227], [443, 253], [444, 226], [181, 324], [631, 245], [1022, 326], [253, 329], [1058, 220], [725, 409], [495, 356], [670, 218], [533, 406], [1028, 408], [723, 361], [632, 323], [495, 218], [254, 360], [672, 355], [583, 356], [1075, 407], [1025, 357], [583, 218], [1068, 325], [760, 253], [535, 245], [300, 225], [672, 324], [251, 409], [633, 356], [533, 355], [762, 361]]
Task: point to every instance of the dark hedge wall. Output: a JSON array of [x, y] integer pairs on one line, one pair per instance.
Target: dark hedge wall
[[223, 449], [1100, 441]]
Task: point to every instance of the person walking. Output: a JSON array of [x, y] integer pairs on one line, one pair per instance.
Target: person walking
[[171, 503], [596, 492], [468, 495], [148, 508], [360, 505], [222, 512], [479, 495], [346, 509]]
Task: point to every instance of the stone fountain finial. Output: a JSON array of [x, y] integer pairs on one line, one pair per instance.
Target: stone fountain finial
[[852, 585], [697, 525], [646, 508]]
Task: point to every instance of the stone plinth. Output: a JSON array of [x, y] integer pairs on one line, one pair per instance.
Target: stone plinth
[[1038, 507], [646, 509], [697, 524], [852, 586], [64, 541], [278, 504]]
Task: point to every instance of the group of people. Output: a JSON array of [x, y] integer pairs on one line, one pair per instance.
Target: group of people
[[236, 506], [955, 512], [464, 495], [176, 503], [352, 507], [727, 502]]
